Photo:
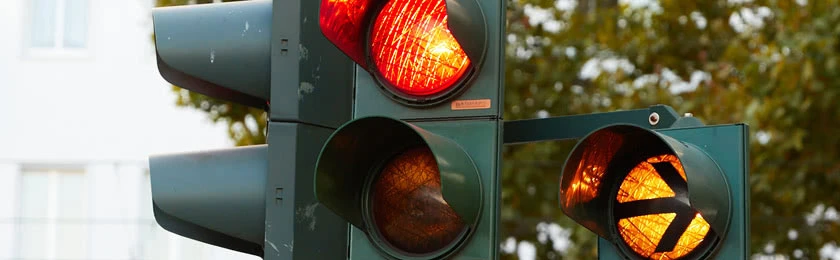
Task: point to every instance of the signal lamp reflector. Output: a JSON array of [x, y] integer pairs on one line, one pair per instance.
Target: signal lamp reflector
[[407, 207], [414, 53]]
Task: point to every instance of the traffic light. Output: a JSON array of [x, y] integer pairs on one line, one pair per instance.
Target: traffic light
[[256, 199], [415, 173], [679, 193]]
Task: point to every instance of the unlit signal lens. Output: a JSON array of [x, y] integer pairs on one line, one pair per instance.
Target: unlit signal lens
[[408, 208]]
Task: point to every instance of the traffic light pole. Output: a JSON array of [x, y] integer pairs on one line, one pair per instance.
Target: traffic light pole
[[296, 225], [576, 126]]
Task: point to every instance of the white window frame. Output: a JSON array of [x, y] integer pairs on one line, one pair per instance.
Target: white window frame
[[52, 217], [58, 49]]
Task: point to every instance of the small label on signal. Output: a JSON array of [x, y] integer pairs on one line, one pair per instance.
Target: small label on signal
[[471, 104]]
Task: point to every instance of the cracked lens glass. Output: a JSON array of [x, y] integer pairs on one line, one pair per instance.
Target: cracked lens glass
[[408, 208]]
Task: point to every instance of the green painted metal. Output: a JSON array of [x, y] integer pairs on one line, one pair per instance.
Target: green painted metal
[[466, 22], [297, 226], [215, 197], [485, 84], [472, 136], [707, 150], [258, 200], [311, 80], [708, 191], [354, 152], [219, 50], [577, 126], [311, 94], [728, 146]]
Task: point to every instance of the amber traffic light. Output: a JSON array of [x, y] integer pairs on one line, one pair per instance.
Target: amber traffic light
[[407, 206], [414, 194], [645, 234], [644, 182]]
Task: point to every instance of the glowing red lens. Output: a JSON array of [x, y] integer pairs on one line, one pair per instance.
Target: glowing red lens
[[413, 49], [342, 22]]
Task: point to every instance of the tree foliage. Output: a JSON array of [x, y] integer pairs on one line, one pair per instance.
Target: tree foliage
[[770, 63]]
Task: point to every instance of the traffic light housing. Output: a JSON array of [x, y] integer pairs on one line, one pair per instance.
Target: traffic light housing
[[677, 193], [403, 47], [411, 191], [416, 172], [255, 199]]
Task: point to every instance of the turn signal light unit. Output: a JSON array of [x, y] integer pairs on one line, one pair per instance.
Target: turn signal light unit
[[637, 188]]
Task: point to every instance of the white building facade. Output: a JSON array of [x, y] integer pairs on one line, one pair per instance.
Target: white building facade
[[81, 108]]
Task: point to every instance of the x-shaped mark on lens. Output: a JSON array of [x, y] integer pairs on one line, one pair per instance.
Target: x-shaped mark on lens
[[678, 204]]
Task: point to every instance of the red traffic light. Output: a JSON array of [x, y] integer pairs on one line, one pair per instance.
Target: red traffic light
[[413, 50], [406, 45]]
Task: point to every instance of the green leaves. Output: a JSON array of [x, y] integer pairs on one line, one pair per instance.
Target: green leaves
[[776, 71]]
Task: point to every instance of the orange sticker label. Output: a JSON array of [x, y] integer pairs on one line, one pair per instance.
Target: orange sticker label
[[471, 104]]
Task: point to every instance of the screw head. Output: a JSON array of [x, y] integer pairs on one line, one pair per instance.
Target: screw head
[[653, 119]]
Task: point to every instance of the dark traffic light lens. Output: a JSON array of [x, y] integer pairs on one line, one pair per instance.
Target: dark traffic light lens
[[413, 49], [408, 208]]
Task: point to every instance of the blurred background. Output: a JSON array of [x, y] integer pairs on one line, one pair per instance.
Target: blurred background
[[82, 106]]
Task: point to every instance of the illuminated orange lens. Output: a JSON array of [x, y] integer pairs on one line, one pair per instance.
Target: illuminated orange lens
[[644, 183], [643, 233], [586, 182], [407, 205], [413, 49]]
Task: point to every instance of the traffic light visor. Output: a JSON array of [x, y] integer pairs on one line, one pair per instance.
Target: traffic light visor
[[343, 22], [663, 198], [412, 192], [218, 58], [216, 197]]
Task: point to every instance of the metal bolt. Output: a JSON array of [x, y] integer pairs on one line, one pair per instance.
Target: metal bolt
[[653, 119], [688, 115]]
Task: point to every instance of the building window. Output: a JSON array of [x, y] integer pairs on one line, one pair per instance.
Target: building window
[[154, 242], [53, 215], [59, 24]]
